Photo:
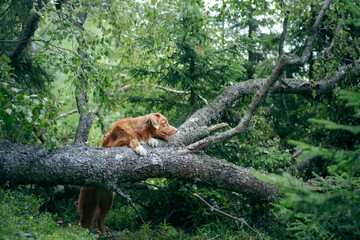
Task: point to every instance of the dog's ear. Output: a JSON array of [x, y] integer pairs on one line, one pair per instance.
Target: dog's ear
[[155, 120]]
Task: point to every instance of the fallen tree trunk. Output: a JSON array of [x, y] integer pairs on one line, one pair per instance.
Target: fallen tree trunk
[[106, 167]]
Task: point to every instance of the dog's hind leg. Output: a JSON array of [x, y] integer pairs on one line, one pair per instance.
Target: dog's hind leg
[[87, 206], [105, 203]]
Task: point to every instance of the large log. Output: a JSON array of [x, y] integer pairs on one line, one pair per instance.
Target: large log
[[105, 167]]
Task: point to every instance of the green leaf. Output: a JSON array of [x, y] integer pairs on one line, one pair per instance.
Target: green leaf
[[6, 58], [9, 111], [20, 109]]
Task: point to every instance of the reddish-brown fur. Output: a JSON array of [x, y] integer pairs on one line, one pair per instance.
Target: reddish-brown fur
[[127, 131]]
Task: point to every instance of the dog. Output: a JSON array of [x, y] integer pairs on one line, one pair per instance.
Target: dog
[[125, 132]]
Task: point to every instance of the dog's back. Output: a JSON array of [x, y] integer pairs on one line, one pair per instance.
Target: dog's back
[[118, 136]]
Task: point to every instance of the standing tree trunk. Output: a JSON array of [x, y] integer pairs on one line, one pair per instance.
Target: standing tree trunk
[[86, 116]]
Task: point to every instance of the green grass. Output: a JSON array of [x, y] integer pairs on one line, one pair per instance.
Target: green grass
[[20, 218]]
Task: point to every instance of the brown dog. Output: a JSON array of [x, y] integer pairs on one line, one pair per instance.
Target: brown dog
[[127, 131]]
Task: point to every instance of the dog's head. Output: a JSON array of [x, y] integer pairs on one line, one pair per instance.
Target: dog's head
[[160, 126]]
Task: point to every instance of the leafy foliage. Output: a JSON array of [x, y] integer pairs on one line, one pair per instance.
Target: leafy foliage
[[26, 108]]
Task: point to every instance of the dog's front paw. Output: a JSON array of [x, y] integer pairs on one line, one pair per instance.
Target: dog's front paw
[[141, 150], [153, 142]]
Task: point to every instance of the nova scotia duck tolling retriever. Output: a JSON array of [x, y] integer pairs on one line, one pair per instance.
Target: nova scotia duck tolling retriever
[[125, 132]]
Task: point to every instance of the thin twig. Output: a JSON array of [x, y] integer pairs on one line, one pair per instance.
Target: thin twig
[[127, 197], [40, 134], [286, 109], [171, 90], [6, 10], [202, 98], [130, 86], [64, 115], [217, 236], [242, 220]]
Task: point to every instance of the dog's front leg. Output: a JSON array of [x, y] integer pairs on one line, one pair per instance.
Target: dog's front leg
[[152, 142], [134, 144]]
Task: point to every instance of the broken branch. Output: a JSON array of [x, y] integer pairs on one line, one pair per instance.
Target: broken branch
[[242, 220]]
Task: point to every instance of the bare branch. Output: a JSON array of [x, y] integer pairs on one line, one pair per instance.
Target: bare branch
[[41, 133], [241, 220], [202, 98], [63, 115], [12, 4], [171, 90], [130, 86], [126, 88], [127, 197], [217, 127]]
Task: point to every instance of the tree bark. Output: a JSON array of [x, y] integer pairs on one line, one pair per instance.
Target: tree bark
[[86, 116], [106, 167]]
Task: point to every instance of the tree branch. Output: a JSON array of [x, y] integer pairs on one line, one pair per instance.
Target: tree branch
[[242, 220], [41, 133], [217, 127], [29, 31], [284, 62], [130, 86], [127, 197], [2, 14], [195, 127]]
